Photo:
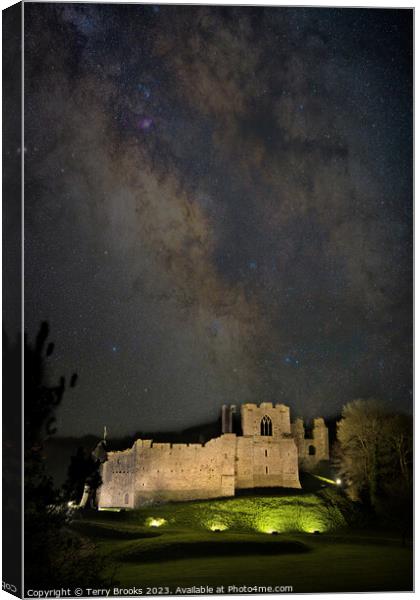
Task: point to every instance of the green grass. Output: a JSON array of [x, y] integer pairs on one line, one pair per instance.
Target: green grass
[[299, 513], [185, 551], [328, 567]]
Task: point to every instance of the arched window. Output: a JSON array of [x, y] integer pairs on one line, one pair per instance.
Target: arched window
[[266, 426], [311, 450], [126, 498]]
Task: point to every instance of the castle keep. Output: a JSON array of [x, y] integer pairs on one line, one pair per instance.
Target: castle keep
[[267, 454]]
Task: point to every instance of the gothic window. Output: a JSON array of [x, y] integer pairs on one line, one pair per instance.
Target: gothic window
[[266, 426], [311, 450], [126, 497]]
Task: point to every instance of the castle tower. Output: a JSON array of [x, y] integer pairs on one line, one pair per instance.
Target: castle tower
[[265, 420], [266, 452], [320, 438], [227, 418], [313, 448]]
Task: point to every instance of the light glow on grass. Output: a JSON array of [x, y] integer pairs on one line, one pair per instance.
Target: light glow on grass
[[155, 522], [270, 531], [217, 527], [312, 525], [110, 509], [289, 518], [312, 531], [301, 513], [269, 523]]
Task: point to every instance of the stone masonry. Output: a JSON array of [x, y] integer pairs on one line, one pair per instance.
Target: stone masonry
[[267, 454], [312, 448]]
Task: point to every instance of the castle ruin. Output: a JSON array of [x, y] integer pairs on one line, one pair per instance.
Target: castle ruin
[[267, 454]]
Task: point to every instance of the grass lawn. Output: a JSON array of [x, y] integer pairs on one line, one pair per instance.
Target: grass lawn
[[176, 545]]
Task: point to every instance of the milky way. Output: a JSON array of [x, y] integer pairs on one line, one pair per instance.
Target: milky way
[[218, 207]]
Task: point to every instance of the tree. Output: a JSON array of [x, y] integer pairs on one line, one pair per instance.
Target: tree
[[55, 556], [400, 436], [374, 450], [83, 470], [12, 458], [43, 516]]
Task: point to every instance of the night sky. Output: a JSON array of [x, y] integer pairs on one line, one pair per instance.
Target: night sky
[[218, 208]]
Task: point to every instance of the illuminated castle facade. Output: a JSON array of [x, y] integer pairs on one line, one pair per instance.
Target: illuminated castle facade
[[267, 454]]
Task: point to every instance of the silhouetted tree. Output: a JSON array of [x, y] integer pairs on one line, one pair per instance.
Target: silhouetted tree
[[54, 555], [12, 458], [83, 470]]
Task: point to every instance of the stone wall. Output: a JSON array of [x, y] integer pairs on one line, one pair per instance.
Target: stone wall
[[151, 472], [314, 449], [266, 462], [118, 480], [251, 416], [266, 456]]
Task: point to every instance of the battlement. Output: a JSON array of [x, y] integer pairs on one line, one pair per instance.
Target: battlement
[[266, 405]]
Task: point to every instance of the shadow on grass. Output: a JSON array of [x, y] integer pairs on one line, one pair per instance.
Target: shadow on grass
[[93, 530], [216, 548]]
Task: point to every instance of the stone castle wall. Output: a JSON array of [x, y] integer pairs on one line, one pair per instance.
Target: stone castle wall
[[251, 416], [266, 462], [311, 450], [118, 480], [268, 454], [152, 472]]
